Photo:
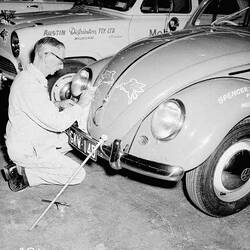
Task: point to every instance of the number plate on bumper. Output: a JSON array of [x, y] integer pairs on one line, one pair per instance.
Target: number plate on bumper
[[82, 142]]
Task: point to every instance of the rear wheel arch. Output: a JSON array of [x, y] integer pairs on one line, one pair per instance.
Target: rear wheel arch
[[220, 186]]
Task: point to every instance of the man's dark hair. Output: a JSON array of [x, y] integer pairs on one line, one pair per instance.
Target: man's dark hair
[[47, 40]]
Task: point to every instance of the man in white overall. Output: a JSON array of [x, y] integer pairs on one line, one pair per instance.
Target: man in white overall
[[35, 137]]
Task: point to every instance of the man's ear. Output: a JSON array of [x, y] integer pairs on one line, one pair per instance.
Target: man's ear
[[41, 55]]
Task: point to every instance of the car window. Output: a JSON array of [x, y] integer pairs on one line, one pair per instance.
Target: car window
[[121, 5], [224, 12], [182, 6], [166, 6], [222, 7], [148, 6]]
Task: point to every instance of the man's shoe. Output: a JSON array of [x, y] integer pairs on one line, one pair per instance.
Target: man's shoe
[[18, 182], [7, 171]]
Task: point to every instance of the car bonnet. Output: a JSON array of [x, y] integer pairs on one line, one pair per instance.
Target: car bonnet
[[142, 75], [56, 17]]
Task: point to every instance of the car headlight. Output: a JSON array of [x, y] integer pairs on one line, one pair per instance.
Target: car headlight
[[81, 81], [167, 119], [15, 47]]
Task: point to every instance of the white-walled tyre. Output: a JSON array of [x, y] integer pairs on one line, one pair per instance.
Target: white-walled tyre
[[59, 84], [221, 185]]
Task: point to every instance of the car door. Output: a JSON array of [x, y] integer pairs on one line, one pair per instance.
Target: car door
[[156, 17]]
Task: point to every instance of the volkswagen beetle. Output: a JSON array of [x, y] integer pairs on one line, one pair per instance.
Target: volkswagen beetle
[[177, 106]]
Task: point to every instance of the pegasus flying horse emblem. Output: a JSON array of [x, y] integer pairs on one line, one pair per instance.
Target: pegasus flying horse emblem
[[4, 34], [132, 88]]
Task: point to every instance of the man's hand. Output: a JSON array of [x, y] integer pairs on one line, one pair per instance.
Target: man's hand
[[87, 96], [65, 104]]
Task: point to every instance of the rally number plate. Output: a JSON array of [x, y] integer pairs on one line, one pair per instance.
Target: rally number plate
[[82, 142]]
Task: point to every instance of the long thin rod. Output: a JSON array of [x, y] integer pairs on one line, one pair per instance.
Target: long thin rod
[[101, 141]]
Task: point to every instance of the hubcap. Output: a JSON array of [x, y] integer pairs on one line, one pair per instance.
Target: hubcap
[[61, 89], [232, 173], [245, 175]]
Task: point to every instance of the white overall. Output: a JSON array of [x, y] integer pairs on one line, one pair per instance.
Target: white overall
[[35, 137]]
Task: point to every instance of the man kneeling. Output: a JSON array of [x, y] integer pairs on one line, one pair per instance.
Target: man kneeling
[[35, 137]]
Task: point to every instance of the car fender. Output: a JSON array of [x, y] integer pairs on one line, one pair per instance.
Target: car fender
[[212, 108], [97, 66]]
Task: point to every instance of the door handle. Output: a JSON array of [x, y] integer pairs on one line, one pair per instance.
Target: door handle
[[32, 6]]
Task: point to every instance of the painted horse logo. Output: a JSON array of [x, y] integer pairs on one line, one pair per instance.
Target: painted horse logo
[[132, 88], [3, 34]]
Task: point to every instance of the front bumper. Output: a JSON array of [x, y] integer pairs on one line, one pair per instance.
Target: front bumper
[[119, 159]]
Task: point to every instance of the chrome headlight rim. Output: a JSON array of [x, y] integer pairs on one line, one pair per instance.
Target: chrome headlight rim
[[81, 80], [174, 130], [15, 44], [88, 71]]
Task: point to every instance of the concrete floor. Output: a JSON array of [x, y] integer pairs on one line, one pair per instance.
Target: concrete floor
[[122, 211]]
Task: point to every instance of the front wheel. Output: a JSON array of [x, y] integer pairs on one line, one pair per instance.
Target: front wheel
[[221, 185], [59, 84]]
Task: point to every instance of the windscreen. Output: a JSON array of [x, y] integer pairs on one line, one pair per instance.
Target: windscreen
[[121, 5]]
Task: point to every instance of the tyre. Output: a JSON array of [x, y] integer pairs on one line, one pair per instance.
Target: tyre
[[221, 185], [59, 84]]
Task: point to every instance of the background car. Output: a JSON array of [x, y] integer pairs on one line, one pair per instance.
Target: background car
[[90, 31], [179, 105], [34, 6]]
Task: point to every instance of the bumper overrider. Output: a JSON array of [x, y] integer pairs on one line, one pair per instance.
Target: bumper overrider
[[119, 159]]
